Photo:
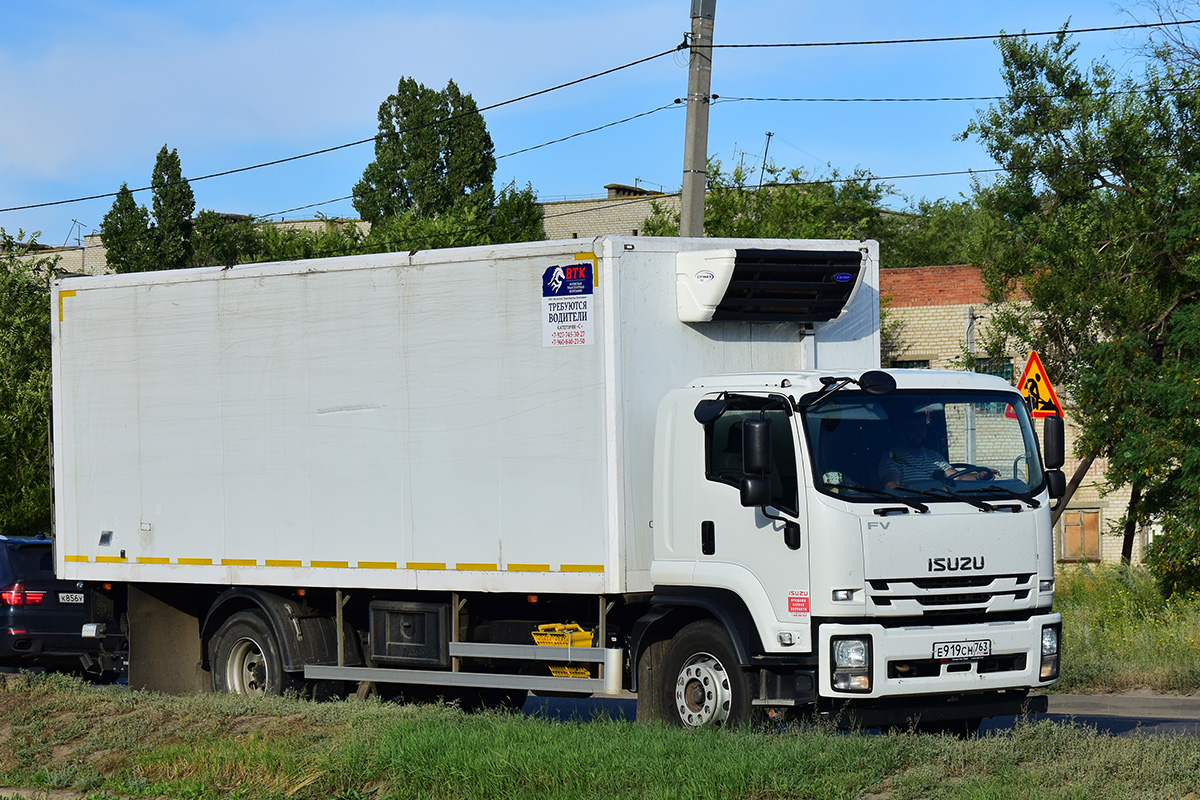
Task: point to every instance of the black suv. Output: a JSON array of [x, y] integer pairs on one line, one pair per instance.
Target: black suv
[[42, 617]]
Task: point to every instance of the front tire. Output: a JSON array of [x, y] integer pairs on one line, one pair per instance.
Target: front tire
[[702, 684], [245, 658]]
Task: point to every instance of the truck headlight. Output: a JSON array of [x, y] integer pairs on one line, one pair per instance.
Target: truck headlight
[[850, 658], [1050, 652]]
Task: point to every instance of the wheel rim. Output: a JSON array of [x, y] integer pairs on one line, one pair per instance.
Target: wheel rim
[[246, 670], [702, 692]]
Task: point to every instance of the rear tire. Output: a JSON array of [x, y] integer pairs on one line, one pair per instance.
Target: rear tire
[[702, 684], [246, 658]]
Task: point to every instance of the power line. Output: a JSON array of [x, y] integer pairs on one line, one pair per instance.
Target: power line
[[976, 98], [359, 142], [674, 104], [975, 38]]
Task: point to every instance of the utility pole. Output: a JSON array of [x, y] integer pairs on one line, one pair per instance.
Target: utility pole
[[695, 145]]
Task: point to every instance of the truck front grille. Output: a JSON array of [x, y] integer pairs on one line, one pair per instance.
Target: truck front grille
[[950, 595]]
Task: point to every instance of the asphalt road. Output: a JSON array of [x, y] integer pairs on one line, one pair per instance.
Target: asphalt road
[[1135, 713]]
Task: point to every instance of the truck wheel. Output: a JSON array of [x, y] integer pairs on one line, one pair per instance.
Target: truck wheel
[[245, 657], [703, 686]]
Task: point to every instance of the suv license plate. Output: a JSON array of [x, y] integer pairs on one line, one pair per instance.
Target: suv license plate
[[70, 597], [962, 650]]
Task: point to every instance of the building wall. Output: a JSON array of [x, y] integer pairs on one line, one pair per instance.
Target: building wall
[[584, 219], [933, 310]]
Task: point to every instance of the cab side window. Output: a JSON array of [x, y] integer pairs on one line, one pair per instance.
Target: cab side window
[[723, 449]]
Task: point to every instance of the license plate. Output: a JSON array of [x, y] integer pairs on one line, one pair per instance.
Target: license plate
[[962, 650], [70, 597]]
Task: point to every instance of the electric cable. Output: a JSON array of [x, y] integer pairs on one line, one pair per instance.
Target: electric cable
[[973, 38]]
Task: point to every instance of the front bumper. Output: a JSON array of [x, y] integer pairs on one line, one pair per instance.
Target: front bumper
[[914, 711], [903, 663]]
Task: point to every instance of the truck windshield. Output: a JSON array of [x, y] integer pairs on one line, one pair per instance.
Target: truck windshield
[[927, 446]]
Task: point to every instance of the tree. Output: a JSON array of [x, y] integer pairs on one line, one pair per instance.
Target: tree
[[135, 242], [433, 154], [24, 387], [1096, 218], [173, 205], [790, 205], [516, 217], [125, 232]]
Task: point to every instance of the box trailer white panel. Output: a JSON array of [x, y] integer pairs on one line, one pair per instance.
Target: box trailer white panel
[[428, 420]]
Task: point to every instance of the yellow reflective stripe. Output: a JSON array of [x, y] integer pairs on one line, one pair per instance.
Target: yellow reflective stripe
[[468, 566], [61, 295]]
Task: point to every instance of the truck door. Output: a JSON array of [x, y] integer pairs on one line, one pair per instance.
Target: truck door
[[742, 548]]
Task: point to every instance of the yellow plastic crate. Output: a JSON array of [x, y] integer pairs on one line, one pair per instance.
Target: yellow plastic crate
[[561, 671], [559, 635]]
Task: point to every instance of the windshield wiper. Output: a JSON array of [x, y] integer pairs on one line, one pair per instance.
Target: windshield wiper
[[946, 491], [1024, 497], [908, 501]]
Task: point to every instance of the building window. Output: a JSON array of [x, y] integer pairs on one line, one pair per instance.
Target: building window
[[1079, 535], [910, 363], [1000, 367]]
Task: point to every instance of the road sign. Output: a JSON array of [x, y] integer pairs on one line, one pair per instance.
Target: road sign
[[1037, 389]]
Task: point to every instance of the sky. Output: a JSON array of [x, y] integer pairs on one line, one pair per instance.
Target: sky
[[91, 91]]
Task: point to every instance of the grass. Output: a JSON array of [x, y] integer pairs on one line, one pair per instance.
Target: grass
[[58, 733], [1119, 633]]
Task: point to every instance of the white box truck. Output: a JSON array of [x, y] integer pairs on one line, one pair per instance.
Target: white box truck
[[666, 466]]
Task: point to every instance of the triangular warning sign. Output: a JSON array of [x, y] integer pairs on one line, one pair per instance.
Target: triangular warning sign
[[1037, 389]]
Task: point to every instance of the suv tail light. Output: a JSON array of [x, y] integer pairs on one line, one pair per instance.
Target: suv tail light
[[16, 595]]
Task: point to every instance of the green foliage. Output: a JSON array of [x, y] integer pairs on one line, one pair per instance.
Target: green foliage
[[794, 204], [791, 204], [433, 154], [24, 387], [173, 205], [1120, 633], [221, 240], [277, 243], [1097, 220], [934, 233], [125, 232], [516, 217], [135, 241]]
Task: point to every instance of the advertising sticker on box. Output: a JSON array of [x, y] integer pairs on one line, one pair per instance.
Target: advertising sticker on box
[[567, 305]]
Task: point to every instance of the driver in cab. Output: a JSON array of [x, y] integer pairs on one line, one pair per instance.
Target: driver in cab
[[910, 460]]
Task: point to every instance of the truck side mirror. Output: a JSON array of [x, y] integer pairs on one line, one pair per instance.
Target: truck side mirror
[[755, 491], [756, 447], [1056, 483], [1053, 442]]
